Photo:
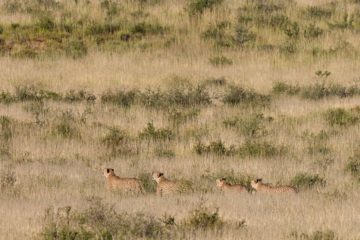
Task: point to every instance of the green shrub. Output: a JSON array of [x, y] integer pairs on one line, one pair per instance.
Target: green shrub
[[76, 49], [66, 126], [151, 133], [253, 148], [215, 147], [307, 181], [220, 34], [284, 88], [25, 53], [31, 93], [121, 98], [292, 30], [79, 96], [239, 95], [317, 12], [147, 182], [181, 116], [312, 31], [7, 179], [6, 97], [101, 221], [340, 117], [115, 137], [203, 218], [1, 29], [198, 7], [252, 125], [353, 166], [45, 23], [6, 132], [220, 61], [244, 35], [316, 235], [145, 29]]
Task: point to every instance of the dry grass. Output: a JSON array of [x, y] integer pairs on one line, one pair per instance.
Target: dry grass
[[55, 168]]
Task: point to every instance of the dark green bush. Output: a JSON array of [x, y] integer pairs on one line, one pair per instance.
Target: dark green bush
[[7, 179], [79, 96], [203, 218], [115, 137], [312, 31], [144, 29], [198, 7], [341, 117], [239, 95], [121, 98], [307, 181], [353, 166], [292, 30], [31, 93], [220, 61], [147, 182], [244, 35], [252, 148], [6, 97], [316, 235], [252, 125], [317, 12], [151, 133], [76, 48], [284, 88], [6, 132], [215, 147], [46, 23]]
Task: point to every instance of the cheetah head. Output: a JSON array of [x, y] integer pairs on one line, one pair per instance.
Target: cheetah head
[[157, 176], [220, 182], [108, 172], [255, 183]]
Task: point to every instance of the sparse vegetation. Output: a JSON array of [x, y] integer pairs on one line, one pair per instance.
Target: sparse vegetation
[[197, 89]]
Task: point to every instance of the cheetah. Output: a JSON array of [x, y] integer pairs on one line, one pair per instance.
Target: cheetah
[[259, 186], [113, 182], [227, 187], [168, 187]]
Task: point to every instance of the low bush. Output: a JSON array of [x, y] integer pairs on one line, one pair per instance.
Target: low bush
[[353, 166], [7, 179], [220, 61], [216, 147], [198, 7], [341, 117], [203, 218], [151, 133], [316, 235], [120, 98], [239, 95], [79, 96], [307, 181], [317, 90], [252, 125], [257, 148], [76, 48], [100, 221]]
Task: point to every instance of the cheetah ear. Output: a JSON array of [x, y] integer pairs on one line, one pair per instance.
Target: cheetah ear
[[223, 179], [161, 174], [111, 169], [258, 180], [107, 170]]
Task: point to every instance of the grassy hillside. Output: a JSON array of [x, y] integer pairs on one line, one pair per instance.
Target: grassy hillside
[[197, 89]]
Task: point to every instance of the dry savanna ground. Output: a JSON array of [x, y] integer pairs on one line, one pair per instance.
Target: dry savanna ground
[[196, 89]]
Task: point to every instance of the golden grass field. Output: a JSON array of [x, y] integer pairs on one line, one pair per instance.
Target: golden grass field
[[53, 151]]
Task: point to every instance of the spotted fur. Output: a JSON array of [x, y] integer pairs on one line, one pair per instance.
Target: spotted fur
[[259, 186], [114, 182], [164, 185], [227, 187]]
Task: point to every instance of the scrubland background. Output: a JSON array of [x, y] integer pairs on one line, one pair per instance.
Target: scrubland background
[[197, 89]]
